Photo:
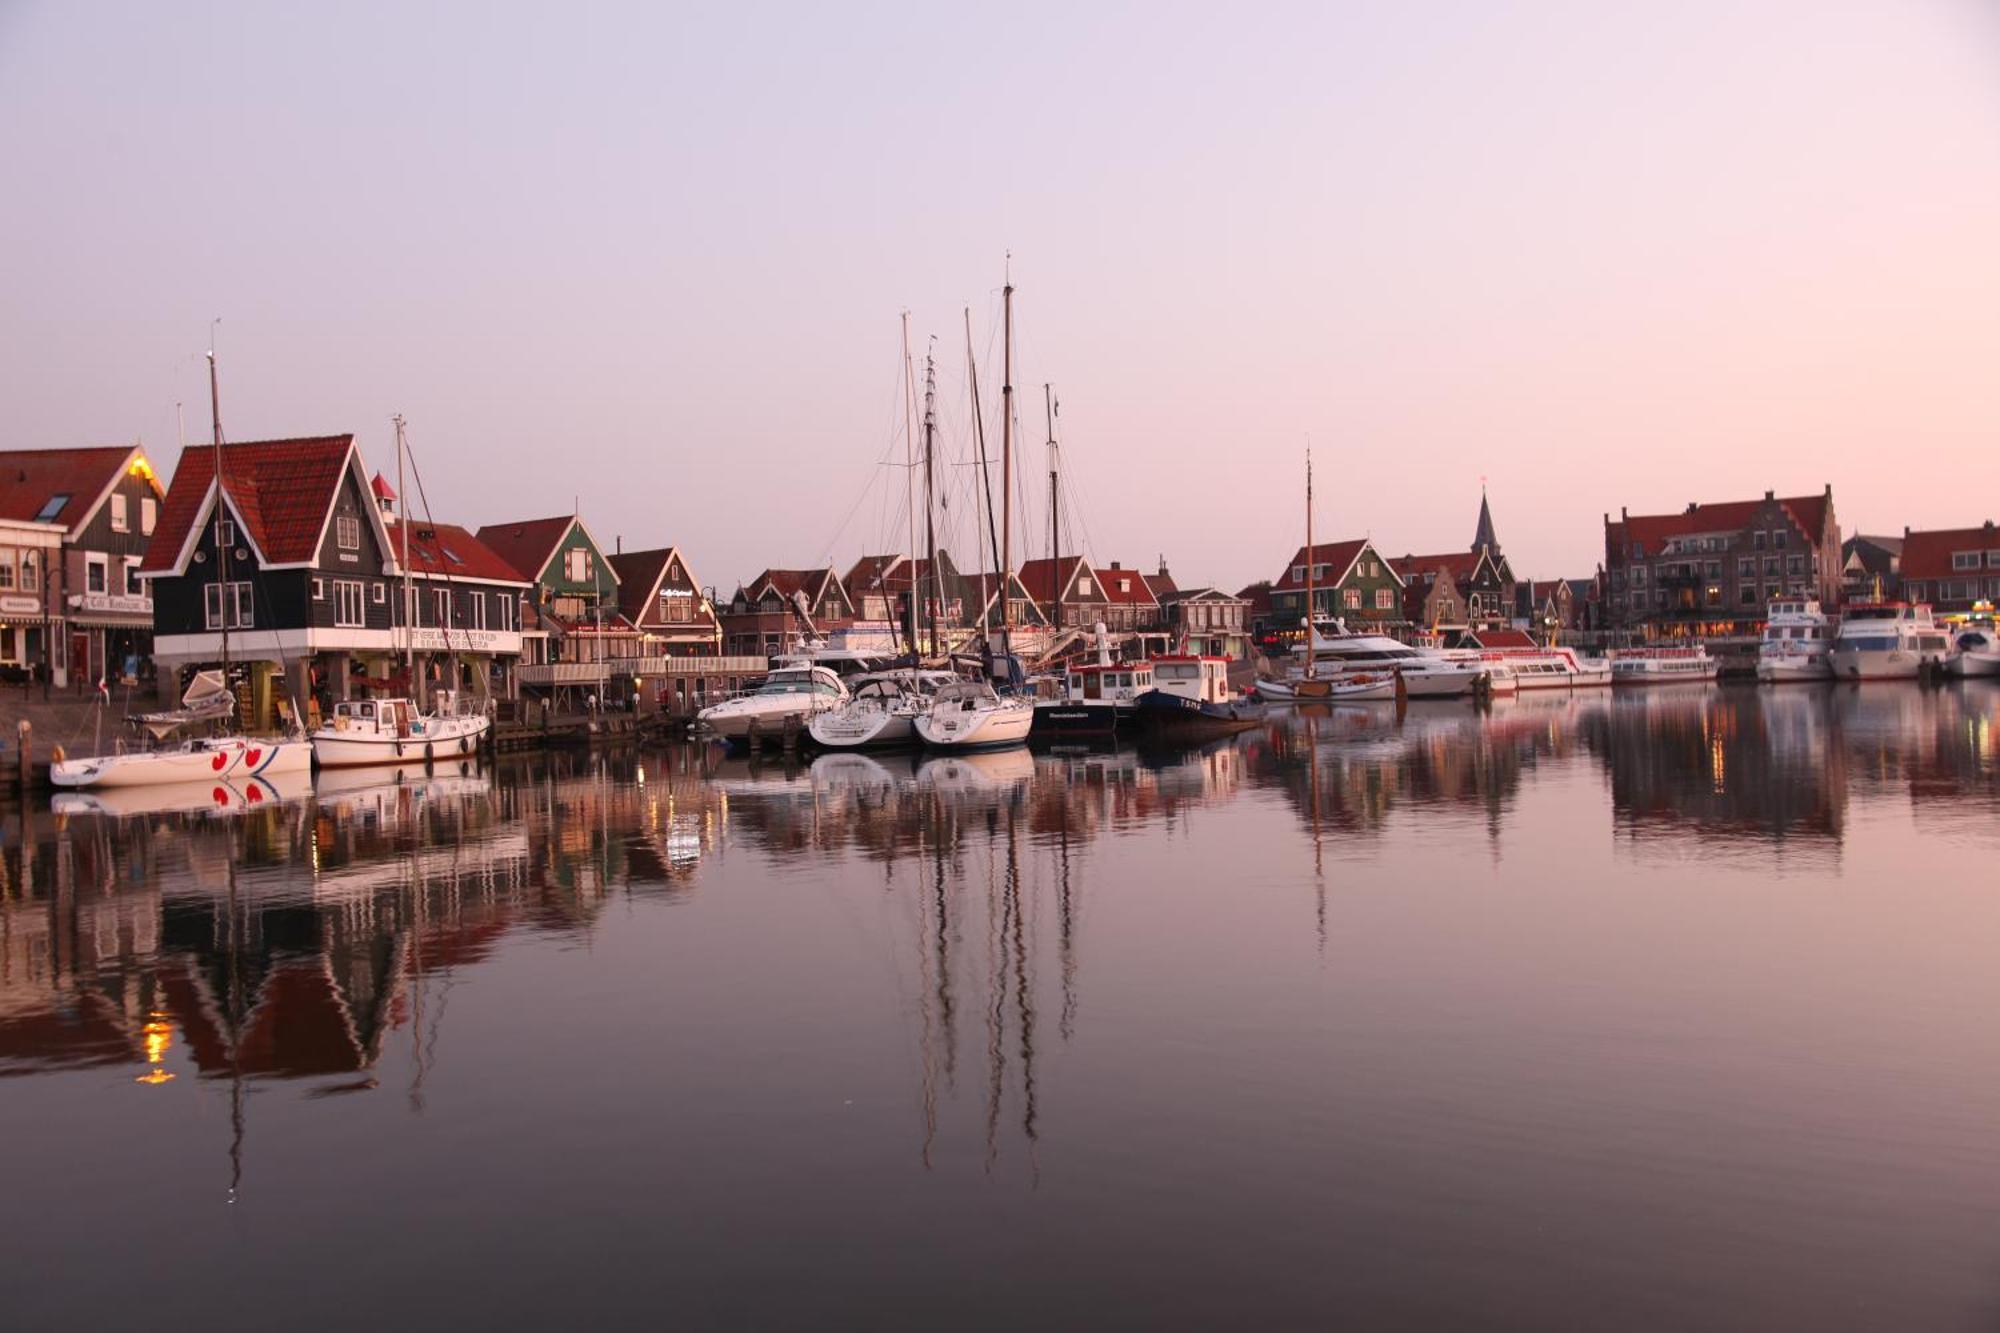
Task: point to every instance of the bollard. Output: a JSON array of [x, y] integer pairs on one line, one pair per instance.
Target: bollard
[[25, 733]]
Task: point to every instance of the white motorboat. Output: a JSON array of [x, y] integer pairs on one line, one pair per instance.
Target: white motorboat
[[1975, 652], [791, 693], [1428, 673], [1551, 667], [881, 713], [1662, 666], [1886, 641], [364, 732], [970, 715], [201, 759], [1796, 643]]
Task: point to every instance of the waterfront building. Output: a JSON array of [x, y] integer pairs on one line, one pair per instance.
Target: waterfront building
[[1871, 567], [312, 600], [571, 603], [74, 526], [1545, 605], [1351, 581], [1210, 622], [1712, 568], [1118, 597], [1952, 568], [774, 610], [680, 665], [1482, 590]]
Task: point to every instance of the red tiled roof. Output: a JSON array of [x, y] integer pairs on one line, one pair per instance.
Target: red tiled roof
[[1161, 585], [787, 582], [1459, 564], [1138, 591], [1336, 556], [1040, 577], [1927, 555], [30, 477], [527, 545], [282, 490], [432, 546], [1651, 531], [381, 487]]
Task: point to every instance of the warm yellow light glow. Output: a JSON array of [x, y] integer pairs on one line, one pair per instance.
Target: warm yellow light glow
[[158, 1035], [140, 468]]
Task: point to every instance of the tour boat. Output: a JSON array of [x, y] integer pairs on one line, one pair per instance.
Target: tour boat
[[971, 715], [1554, 667], [1795, 644], [1975, 652], [364, 732], [881, 713], [791, 693], [1097, 699], [200, 759], [1661, 666], [1886, 641], [1191, 700]]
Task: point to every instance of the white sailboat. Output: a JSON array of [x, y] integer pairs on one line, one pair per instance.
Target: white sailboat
[[972, 715], [882, 712]]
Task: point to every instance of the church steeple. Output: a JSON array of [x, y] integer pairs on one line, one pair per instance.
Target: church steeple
[[1485, 536]]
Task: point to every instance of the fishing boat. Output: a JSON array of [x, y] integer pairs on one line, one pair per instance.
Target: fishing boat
[[1886, 641], [881, 713], [795, 693], [1191, 700], [209, 700], [972, 715], [1661, 666], [1795, 643], [1975, 651], [1097, 698]]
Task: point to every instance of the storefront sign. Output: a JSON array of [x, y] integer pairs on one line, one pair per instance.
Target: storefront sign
[[463, 641], [20, 606], [132, 604]]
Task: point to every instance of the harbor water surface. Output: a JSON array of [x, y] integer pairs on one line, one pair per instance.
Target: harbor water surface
[[1679, 1008]]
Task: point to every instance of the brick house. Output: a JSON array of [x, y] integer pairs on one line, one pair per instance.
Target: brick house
[[1351, 582], [1952, 568], [1712, 568], [764, 615]]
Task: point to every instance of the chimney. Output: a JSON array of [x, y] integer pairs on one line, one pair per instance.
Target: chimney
[[1624, 515], [1770, 495], [1692, 506], [617, 543], [1116, 565]]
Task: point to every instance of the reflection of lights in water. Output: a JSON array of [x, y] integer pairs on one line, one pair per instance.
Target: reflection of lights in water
[[158, 1035], [639, 774], [1718, 766]]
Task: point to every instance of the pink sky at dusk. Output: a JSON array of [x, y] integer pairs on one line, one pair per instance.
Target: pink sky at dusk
[[655, 258]]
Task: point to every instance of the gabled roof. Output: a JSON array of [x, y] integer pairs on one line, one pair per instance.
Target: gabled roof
[[1462, 566], [1161, 585], [1041, 578], [1651, 532], [1201, 595], [788, 583], [1337, 556], [1483, 534], [530, 544], [640, 574], [281, 492], [1927, 555], [445, 550], [31, 478], [1138, 590]]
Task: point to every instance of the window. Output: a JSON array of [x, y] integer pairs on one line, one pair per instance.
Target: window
[[51, 507], [1771, 566], [475, 606], [1124, 585], [576, 564], [30, 577], [1993, 559], [1083, 587], [1916, 591], [1778, 540], [1965, 559], [1639, 577], [319, 590], [1747, 594], [349, 603], [6, 569], [93, 573], [228, 537], [347, 532], [1298, 573], [130, 584], [121, 518], [1757, 540], [149, 514], [1385, 599], [1351, 599], [1795, 564], [1746, 567], [381, 594], [238, 599], [441, 606], [1715, 569]]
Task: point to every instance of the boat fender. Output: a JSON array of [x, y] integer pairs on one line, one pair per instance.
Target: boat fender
[[399, 749], [55, 754], [430, 752]]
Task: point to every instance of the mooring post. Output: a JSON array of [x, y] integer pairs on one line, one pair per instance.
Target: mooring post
[[25, 734]]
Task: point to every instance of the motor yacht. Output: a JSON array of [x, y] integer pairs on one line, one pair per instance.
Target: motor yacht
[[1097, 699], [1975, 651], [1428, 673], [881, 713], [1886, 641], [792, 693], [1795, 645], [1550, 667], [971, 715]]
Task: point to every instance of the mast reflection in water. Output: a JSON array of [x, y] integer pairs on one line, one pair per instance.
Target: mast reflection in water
[[1649, 1005]]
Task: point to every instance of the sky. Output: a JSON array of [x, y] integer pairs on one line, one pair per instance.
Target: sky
[[652, 261]]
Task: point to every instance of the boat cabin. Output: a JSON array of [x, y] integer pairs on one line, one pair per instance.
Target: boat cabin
[[381, 717], [1110, 682], [1203, 679]]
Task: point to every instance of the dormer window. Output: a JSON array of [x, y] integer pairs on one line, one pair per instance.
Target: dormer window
[[1965, 559], [51, 507]]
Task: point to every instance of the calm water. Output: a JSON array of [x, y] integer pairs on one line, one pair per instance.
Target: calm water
[[1668, 1010]]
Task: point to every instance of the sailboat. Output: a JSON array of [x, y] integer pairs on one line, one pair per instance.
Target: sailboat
[[398, 731], [1308, 685], [209, 700]]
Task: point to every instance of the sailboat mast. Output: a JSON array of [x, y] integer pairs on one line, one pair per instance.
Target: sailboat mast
[[1309, 564], [1007, 462], [930, 489], [910, 470], [403, 527], [223, 597], [985, 482], [1055, 527]]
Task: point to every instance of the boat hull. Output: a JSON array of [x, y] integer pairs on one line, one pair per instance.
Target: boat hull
[[735, 725], [1972, 666], [1876, 664], [841, 730], [1793, 669], [958, 729], [442, 738], [1160, 714], [233, 757], [1068, 718]]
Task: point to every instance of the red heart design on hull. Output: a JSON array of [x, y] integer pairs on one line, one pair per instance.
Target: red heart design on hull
[[220, 796], [252, 756], [217, 762]]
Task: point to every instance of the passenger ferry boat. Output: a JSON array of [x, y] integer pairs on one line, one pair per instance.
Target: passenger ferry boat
[[362, 732], [881, 713], [1097, 699], [1661, 666], [1553, 667], [1191, 700], [1795, 643], [1887, 641], [793, 692]]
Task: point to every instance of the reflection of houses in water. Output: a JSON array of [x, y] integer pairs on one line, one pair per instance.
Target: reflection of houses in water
[[1935, 746], [1732, 763]]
